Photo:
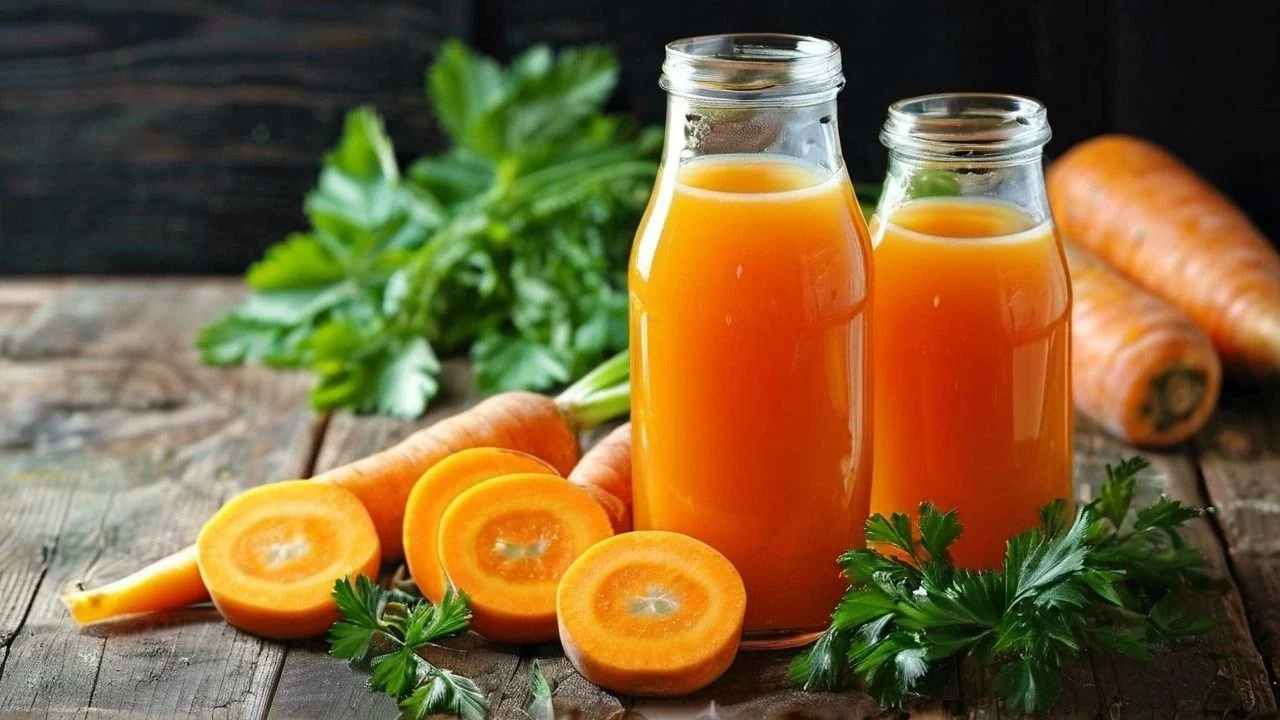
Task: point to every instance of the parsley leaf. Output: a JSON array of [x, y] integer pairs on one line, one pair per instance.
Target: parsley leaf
[[894, 531], [1026, 685], [232, 339], [445, 693], [823, 666], [408, 381], [298, 261], [1117, 493], [385, 635], [1112, 577], [361, 605], [938, 530], [540, 706]]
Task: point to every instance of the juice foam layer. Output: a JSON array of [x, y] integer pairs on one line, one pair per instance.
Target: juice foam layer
[[967, 220], [764, 178]]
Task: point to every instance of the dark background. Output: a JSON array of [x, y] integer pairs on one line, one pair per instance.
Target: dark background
[[180, 135]]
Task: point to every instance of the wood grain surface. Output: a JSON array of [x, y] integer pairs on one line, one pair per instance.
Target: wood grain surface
[[181, 135], [115, 445], [119, 445]]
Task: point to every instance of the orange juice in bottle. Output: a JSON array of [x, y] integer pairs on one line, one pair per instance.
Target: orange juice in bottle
[[750, 285], [971, 339]]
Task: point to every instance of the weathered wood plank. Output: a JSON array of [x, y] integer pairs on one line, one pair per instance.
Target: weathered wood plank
[[572, 695], [180, 136], [1220, 674], [105, 413], [1240, 462]]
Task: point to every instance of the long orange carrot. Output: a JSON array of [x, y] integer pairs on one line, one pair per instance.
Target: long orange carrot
[[1155, 220], [1139, 367], [605, 472], [528, 422]]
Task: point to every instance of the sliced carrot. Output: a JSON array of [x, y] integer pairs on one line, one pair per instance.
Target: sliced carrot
[[523, 421], [528, 422], [439, 486], [651, 613], [171, 582], [605, 472], [270, 556], [506, 542]]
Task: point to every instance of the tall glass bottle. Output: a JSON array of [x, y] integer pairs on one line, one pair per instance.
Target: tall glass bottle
[[749, 283], [971, 339]]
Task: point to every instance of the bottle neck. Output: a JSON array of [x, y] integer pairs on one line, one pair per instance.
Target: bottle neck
[[973, 145], [807, 134], [1017, 180]]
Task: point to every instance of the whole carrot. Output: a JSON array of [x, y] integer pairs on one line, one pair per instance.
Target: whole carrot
[[605, 472], [528, 422], [1140, 368], [1157, 222]]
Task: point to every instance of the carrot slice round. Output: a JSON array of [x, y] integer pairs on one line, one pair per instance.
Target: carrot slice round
[[506, 542], [437, 488], [270, 556], [651, 613]]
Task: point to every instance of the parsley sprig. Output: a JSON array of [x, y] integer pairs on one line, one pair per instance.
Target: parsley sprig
[[541, 705], [1110, 577], [511, 245], [384, 631]]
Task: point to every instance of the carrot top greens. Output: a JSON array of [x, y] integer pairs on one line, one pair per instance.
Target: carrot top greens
[[1112, 577], [510, 245]]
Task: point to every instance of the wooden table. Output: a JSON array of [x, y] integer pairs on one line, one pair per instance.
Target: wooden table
[[116, 444]]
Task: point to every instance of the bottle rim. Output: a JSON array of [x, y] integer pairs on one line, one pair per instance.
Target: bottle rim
[[755, 69], [966, 125]]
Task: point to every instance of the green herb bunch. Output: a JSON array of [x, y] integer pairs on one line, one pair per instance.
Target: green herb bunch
[[1110, 578], [511, 245], [384, 631]]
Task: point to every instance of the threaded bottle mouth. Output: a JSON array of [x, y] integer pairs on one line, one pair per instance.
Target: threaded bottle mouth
[[758, 69], [966, 125]]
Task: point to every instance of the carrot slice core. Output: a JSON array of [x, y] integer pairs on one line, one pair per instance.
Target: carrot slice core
[[507, 542]]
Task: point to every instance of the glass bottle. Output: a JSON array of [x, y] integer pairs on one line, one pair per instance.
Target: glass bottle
[[971, 341], [749, 285]]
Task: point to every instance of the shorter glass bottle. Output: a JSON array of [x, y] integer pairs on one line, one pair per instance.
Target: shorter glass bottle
[[749, 283], [971, 339]]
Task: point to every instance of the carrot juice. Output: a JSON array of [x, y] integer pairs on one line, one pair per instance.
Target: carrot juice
[[971, 349], [749, 288]]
